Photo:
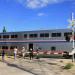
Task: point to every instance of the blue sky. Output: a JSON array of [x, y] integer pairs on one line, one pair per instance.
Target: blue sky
[[27, 15]]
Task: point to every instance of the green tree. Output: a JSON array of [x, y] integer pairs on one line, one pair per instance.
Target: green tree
[[4, 29]]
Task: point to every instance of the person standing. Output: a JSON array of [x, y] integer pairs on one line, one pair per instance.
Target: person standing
[[3, 55], [23, 52], [31, 53], [15, 52], [37, 53]]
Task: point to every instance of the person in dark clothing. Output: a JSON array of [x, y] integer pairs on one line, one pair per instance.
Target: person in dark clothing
[[37, 51], [3, 55], [31, 53]]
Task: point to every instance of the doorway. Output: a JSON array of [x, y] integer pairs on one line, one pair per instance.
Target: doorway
[[31, 46]]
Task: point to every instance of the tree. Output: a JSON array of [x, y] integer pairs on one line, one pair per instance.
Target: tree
[[4, 29]]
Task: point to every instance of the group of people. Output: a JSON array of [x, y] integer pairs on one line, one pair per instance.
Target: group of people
[[23, 51]]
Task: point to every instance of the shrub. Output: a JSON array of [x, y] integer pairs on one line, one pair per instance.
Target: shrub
[[37, 57], [68, 66], [49, 56]]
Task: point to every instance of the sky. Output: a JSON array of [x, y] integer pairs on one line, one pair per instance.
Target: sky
[[27, 15]]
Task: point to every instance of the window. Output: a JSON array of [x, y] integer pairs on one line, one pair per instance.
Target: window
[[25, 35], [0, 36], [41, 35], [44, 35], [5, 36], [56, 35], [33, 35], [4, 47], [67, 33], [53, 48], [14, 36], [12, 47], [53, 35]]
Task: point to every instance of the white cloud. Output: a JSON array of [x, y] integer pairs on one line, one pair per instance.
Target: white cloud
[[33, 4], [40, 3], [41, 14]]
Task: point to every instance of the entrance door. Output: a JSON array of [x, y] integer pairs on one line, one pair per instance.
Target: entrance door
[[30, 46]]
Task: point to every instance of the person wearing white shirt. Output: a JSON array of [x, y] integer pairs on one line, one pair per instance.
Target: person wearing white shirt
[[15, 52], [23, 52]]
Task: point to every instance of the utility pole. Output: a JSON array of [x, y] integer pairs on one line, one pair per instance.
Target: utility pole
[[72, 23]]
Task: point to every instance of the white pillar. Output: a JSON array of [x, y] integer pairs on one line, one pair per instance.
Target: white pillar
[[73, 35]]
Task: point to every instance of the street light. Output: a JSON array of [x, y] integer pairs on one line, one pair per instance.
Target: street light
[[72, 23]]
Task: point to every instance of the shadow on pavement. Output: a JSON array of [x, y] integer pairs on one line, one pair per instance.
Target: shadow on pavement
[[19, 67]]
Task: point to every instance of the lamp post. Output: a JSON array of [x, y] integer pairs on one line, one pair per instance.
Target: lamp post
[[72, 23]]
